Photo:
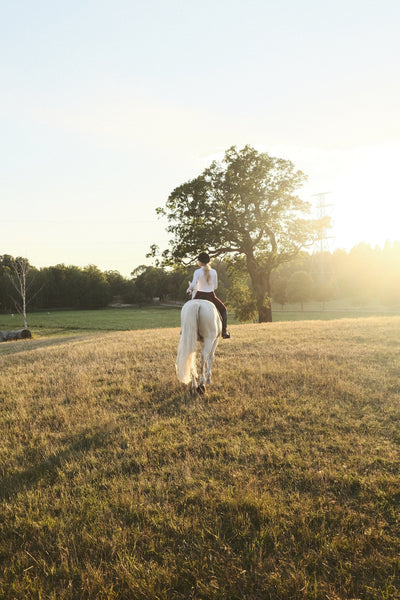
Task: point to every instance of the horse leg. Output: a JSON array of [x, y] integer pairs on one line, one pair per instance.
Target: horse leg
[[200, 388], [210, 360], [197, 385], [193, 386], [207, 358]]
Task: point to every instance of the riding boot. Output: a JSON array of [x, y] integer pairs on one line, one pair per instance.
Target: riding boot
[[224, 317]]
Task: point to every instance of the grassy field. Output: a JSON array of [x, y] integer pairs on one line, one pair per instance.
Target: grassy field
[[282, 482], [44, 324]]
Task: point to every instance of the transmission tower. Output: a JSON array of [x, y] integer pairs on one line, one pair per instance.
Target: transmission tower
[[323, 271], [321, 213]]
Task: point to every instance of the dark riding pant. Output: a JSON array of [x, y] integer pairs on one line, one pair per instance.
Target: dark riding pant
[[211, 297]]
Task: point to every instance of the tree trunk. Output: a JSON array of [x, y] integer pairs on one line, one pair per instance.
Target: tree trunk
[[260, 280], [20, 334], [265, 314]]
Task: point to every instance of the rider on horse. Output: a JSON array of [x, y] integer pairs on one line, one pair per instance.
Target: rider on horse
[[205, 281]]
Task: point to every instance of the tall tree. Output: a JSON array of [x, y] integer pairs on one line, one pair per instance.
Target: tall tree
[[243, 206]]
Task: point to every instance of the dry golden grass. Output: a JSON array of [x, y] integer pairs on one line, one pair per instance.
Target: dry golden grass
[[281, 482]]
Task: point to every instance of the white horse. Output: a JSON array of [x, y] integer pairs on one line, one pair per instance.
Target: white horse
[[200, 321]]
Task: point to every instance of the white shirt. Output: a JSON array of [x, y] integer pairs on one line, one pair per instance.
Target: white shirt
[[199, 282]]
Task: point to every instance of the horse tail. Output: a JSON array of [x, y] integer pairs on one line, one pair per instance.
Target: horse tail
[[186, 356]]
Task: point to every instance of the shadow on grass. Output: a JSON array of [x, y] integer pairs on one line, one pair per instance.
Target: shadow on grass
[[47, 468]]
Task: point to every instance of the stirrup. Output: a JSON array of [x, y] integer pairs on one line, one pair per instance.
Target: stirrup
[[226, 335]]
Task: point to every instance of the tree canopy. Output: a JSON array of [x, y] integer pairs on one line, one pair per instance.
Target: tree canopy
[[244, 206]]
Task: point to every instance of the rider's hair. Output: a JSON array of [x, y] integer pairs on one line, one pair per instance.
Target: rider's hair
[[204, 258], [207, 272]]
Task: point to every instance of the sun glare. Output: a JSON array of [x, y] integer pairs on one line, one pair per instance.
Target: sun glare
[[365, 199]]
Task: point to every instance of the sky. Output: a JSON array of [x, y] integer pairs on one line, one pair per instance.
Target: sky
[[107, 106]]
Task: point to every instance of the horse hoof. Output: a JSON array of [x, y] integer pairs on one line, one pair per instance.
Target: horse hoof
[[201, 389]]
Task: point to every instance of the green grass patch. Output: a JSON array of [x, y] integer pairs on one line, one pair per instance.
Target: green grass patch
[[280, 483], [72, 322], [57, 322]]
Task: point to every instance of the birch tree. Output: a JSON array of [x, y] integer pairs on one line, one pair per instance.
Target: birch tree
[[19, 273]]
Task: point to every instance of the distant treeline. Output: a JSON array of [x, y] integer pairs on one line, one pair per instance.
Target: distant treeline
[[362, 275], [73, 287]]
